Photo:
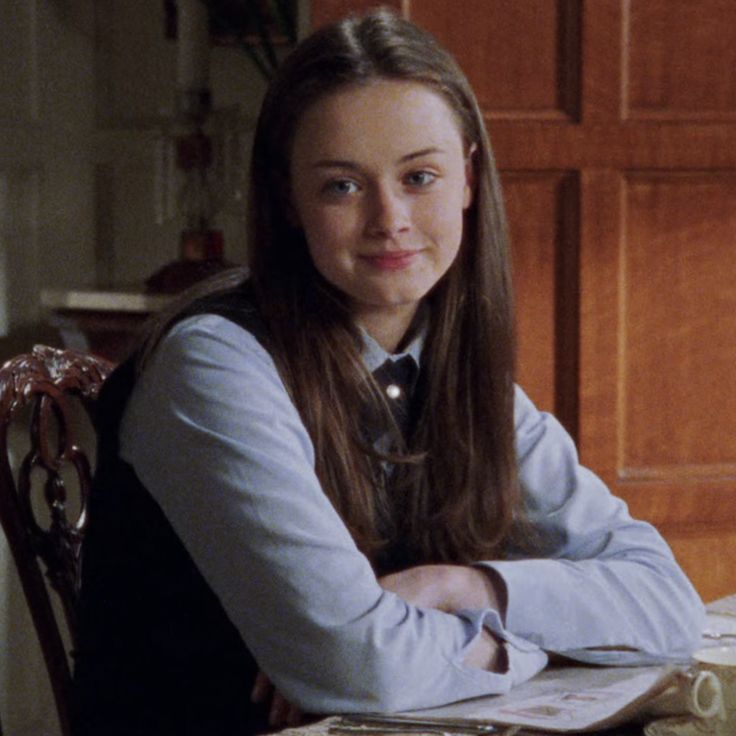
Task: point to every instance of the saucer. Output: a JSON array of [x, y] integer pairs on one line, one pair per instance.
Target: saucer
[[681, 726]]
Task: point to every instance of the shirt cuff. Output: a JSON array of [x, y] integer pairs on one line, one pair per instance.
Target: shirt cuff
[[525, 658]]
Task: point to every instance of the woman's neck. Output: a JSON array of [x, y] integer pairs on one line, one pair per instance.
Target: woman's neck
[[388, 329]]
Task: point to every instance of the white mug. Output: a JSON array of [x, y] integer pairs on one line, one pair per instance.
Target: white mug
[[720, 662], [696, 692]]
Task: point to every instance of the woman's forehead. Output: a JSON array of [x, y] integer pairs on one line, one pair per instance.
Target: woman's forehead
[[395, 116]]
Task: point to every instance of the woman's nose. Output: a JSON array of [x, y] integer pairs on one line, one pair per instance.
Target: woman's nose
[[389, 213]]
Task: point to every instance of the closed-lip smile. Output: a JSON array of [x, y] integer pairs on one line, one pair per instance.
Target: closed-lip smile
[[392, 260]]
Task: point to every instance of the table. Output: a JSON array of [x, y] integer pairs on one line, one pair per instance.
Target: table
[[328, 727]]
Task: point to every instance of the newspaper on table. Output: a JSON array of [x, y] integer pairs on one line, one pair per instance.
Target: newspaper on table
[[560, 699]]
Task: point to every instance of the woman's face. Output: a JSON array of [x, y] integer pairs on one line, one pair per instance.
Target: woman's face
[[380, 179]]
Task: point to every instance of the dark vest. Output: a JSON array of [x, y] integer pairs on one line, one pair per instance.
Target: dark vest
[[157, 653]]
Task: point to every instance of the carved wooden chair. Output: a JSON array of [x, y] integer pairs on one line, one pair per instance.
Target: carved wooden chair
[[44, 490]]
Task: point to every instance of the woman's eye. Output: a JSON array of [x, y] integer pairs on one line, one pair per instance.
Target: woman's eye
[[341, 187], [421, 178]]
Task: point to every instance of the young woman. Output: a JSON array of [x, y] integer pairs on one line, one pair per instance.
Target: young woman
[[323, 472]]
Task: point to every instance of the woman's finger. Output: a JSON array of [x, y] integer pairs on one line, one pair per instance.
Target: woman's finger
[[262, 688], [279, 713], [294, 716]]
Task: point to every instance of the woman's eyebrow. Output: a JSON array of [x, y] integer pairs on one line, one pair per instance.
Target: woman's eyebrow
[[420, 153], [335, 163]]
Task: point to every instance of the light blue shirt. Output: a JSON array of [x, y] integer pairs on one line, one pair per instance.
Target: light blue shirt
[[213, 435]]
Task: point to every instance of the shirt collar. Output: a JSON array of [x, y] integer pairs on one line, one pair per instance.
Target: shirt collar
[[374, 356]]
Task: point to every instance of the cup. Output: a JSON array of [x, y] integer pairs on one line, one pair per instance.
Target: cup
[[694, 692], [710, 695], [721, 661]]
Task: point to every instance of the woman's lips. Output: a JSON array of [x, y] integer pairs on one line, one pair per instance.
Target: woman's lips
[[392, 260]]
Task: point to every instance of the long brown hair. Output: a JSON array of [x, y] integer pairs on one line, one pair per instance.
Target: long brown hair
[[460, 500], [458, 473]]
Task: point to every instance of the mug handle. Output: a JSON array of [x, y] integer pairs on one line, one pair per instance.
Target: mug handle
[[706, 695]]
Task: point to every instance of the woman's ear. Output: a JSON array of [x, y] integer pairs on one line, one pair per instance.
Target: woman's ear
[[470, 178]]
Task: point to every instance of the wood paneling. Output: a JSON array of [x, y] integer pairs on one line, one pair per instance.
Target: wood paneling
[[522, 58], [674, 47], [678, 346], [543, 218]]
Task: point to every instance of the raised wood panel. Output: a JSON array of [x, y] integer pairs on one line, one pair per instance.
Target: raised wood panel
[[679, 341], [542, 210], [678, 60], [522, 58]]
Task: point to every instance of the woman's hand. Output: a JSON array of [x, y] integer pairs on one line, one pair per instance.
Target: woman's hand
[[450, 588], [281, 712]]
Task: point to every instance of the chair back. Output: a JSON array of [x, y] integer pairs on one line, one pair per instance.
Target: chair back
[[44, 488]]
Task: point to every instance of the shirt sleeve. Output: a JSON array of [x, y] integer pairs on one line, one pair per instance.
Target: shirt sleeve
[[213, 435], [604, 587]]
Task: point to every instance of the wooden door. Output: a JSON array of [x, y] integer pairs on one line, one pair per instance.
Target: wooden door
[[614, 125]]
